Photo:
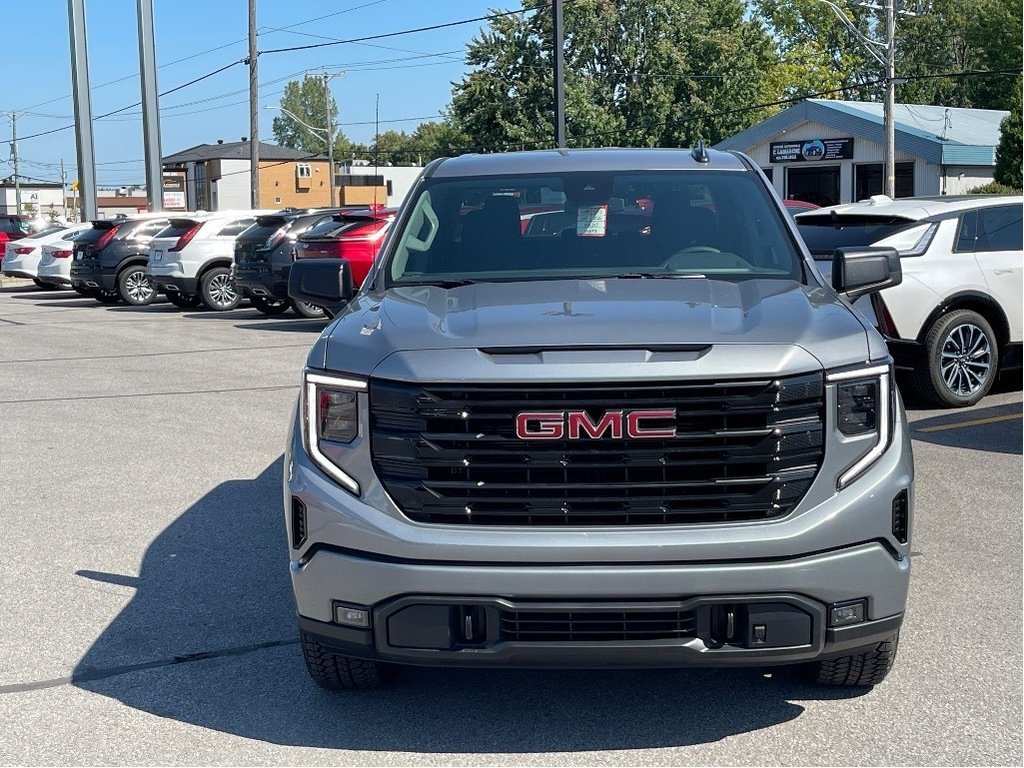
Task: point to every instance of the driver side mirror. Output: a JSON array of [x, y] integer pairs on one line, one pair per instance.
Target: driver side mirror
[[324, 283], [857, 272]]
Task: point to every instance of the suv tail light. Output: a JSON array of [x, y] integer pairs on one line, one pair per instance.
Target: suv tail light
[[885, 322], [186, 238], [62, 254], [105, 238]]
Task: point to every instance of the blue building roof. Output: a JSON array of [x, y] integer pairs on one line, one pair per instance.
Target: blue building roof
[[941, 135]]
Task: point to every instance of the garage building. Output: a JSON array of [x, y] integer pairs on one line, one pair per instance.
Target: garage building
[[828, 152]]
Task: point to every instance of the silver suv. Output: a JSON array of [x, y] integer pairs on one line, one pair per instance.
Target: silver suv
[[598, 408]]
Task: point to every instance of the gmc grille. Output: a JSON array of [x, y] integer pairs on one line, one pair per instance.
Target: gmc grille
[[743, 450]]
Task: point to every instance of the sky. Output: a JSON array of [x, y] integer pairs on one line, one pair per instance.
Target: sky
[[412, 73]]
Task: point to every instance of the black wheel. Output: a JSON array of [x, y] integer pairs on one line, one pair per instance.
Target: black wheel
[[302, 309], [217, 290], [340, 673], [135, 287], [962, 357], [41, 284], [270, 306], [82, 291], [103, 297], [182, 301], [860, 669]]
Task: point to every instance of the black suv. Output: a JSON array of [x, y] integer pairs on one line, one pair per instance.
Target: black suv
[[110, 260], [264, 254]]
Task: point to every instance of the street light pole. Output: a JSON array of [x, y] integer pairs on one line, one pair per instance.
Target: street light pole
[[254, 118], [14, 162]]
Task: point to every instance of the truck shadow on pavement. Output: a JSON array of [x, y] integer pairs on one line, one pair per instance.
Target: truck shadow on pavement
[[210, 639], [993, 429]]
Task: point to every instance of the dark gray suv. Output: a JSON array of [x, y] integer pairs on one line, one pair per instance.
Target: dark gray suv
[[598, 408]]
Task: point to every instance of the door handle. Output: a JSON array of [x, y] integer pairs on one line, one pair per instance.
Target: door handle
[[1002, 271]]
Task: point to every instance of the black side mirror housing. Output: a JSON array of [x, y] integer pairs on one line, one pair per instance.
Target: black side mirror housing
[[857, 272], [324, 283]]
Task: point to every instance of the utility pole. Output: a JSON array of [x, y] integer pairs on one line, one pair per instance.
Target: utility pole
[[63, 190], [890, 99], [559, 63], [14, 162], [83, 109], [888, 60], [330, 128], [150, 106], [254, 117]]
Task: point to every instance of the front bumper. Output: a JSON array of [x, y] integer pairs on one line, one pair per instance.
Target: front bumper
[[261, 280], [789, 600]]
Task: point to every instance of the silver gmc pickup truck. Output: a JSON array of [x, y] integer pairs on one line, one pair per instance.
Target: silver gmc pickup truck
[[598, 408]]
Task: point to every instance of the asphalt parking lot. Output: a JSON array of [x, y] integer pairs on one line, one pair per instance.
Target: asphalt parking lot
[[146, 616]]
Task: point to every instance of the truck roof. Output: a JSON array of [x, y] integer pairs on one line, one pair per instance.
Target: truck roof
[[583, 160]]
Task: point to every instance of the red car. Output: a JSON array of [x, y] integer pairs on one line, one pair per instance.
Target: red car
[[14, 227], [356, 237]]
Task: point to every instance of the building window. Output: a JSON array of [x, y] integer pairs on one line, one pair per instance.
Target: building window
[[303, 170], [868, 180]]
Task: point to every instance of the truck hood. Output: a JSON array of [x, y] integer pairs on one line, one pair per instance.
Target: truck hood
[[763, 326]]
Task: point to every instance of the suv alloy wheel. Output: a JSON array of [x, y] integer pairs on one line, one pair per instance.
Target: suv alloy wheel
[[134, 286], [962, 360], [218, 291]]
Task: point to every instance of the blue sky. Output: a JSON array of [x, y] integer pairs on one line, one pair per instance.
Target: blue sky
[[410, 84]]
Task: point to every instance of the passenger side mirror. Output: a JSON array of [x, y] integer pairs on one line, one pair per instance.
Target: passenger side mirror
[[324, 283], [857, 272]]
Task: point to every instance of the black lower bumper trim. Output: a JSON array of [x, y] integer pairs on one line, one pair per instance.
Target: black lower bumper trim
[[186, 286], [684, 652]]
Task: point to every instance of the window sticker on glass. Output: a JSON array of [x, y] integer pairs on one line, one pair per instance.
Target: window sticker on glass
[[592, 221]]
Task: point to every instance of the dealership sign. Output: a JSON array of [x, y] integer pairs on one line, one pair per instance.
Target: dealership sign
[[810, 150], [174, 191]]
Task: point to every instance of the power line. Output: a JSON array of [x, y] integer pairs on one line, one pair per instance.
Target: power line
[[384, 35], [137, 103]]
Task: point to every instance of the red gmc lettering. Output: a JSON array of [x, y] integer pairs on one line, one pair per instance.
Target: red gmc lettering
[[574, 425], [633, 428], [578, 420], [550, 425]]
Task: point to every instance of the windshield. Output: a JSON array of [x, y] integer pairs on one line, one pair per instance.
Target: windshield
[[594, 224], [823, 233]]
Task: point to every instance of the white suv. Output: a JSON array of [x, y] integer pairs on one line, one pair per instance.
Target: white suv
[[190, 260], [955, 320]]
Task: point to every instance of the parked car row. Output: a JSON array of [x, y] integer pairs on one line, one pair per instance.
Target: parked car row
[[197, 259]]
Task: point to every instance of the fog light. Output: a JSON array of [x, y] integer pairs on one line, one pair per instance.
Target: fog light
[[845, 614], [351, 616]]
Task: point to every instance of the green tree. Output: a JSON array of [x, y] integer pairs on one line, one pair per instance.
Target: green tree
[[638, 73], [817, 52], [308, 100], [957, 36], [392, 148], [1008, 153], [438, 138]]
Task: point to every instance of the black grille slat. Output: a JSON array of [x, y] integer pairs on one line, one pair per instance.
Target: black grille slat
[[744, 450], [596, 626]]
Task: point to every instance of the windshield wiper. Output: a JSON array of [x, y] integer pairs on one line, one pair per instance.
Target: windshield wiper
[[443, 283], [659, 276]]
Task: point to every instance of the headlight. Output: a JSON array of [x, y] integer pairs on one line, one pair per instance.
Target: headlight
[[864, 407], [330, 412]]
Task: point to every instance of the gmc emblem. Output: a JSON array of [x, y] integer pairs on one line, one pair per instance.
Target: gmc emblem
[[574, 425]]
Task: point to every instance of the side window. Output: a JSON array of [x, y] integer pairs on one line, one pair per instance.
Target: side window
[[303, 170], [236, 227], [999, 229], [967, 233]]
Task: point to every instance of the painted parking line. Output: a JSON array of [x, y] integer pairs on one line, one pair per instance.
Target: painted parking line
[[970, 423]]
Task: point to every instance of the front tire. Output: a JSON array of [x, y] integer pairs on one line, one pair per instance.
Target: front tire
[[859, 669], [217, 290], [270, 307], [962, 357], [339, 673], [302, 309], [135, 287]]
